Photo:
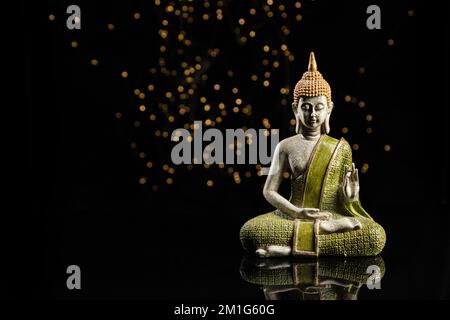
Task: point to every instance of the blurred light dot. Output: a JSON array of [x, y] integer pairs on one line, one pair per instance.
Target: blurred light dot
[[110, 26], [355, 146], [369, 130], [298, 17], [266, 48], [390, 42], [124, 74], [241, 21], [51, 17], [369, 117], [387, 148], [74, 44], [298, 5], [141, 155], [149, 164], [137, 15], [410, 13], [94, 62], [118, 115], [347, 98], [361, 104], [285, 175], [169, 181], [364, 168], [361, 70], [209, 183], [142, 180], [142, 108], [252, 34], [344, 130]]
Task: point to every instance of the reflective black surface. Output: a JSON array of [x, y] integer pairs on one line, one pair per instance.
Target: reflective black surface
[[199, 257]]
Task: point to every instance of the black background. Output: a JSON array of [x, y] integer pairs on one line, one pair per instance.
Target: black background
[[183, 240]]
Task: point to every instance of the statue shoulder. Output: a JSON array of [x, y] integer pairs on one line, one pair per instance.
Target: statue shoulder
[[345, 150], [287, 143], [344, 144]]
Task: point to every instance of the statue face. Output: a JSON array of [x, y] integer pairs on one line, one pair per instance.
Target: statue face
[[312, 111]]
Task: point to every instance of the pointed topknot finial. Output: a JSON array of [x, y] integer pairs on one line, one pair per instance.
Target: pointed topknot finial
[[312, 66]]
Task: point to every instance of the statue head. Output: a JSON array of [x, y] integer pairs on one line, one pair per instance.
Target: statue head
[[312, 104]]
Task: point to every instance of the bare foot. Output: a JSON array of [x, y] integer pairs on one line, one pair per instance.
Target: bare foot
[[274, 251], [339, 225]]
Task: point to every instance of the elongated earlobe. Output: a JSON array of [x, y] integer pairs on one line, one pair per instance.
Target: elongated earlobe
[[298, 126], [325, 129], [326, 125]]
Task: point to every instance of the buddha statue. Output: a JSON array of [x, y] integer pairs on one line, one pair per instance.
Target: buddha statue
[[324, 215], [327, 278]]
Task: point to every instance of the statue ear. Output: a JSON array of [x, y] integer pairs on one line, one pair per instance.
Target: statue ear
[[298, 125], [326, 125]]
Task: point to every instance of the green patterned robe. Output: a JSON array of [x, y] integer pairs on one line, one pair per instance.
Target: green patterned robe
[[319, 187]]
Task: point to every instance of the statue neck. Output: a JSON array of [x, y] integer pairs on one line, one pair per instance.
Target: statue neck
[[311, 134]]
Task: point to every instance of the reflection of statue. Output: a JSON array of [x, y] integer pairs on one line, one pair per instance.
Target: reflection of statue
[[323, 215], [329, 278]]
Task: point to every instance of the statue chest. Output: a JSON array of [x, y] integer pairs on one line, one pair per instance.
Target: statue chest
[[299, 156]]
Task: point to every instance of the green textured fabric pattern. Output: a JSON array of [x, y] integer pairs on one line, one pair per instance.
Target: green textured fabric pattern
[[277, 228], [305, 238], [317, 171]]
